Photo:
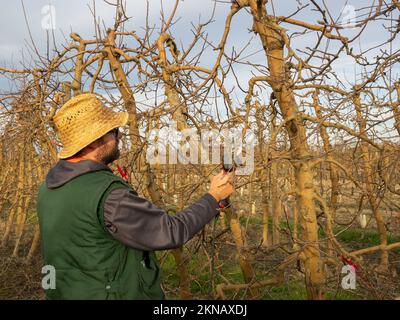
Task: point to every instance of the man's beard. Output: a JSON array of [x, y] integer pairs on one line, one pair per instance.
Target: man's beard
[[107, 156]]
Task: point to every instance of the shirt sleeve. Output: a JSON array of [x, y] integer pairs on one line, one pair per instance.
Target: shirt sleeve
[[138, 223]]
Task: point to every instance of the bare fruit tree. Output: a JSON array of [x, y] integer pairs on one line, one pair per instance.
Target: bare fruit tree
[[326, 150]]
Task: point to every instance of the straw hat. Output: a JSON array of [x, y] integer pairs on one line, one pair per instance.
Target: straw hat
[[84, 119]]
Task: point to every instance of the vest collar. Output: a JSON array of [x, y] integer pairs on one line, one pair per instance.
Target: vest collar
[[65, 171]]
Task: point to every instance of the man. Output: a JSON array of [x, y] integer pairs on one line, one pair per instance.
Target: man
[[96, 231]]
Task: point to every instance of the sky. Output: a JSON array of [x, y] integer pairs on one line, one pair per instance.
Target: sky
[[75, 15], [18, 30]]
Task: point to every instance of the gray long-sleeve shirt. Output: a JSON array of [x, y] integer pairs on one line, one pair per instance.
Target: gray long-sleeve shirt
[[140, 224], [135, 221]]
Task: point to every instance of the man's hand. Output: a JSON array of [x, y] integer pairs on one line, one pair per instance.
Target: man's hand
[[221, 185]]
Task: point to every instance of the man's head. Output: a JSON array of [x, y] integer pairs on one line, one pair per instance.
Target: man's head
[[89, 129], [104, 149]]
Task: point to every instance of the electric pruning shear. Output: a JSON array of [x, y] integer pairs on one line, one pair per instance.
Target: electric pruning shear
[[228, 166]]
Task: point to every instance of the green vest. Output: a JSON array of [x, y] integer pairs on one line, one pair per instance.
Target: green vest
[[89, 262]]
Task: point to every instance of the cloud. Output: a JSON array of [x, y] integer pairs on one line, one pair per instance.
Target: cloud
[[74, 15]]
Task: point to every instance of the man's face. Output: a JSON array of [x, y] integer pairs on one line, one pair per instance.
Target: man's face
[[108, 150]]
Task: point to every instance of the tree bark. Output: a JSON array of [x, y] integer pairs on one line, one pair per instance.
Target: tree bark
[[240, 241], [369, 183], [271, 36], [333, 172]]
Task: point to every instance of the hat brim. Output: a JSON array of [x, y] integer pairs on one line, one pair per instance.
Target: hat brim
[[120, 120]]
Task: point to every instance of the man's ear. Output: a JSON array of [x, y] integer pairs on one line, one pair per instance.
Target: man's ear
[[93, 146]]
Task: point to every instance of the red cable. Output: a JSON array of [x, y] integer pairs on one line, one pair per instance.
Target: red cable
[[123, 173]]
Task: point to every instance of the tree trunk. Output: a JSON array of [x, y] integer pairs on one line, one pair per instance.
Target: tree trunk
[[18, 200], [36, 235], [274, 185], [271, 36], [396, 108], [21, 218], [184, 282], [238, 235], [334, 176], [263, 174], [369, 183]]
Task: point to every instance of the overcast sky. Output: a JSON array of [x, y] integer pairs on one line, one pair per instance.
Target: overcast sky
[[75, 15]]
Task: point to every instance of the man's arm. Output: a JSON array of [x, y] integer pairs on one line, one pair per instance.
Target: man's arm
[[140, 224]]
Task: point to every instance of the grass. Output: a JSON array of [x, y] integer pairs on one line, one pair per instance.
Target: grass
[[369, 237], [200, 287], [293, 287]]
